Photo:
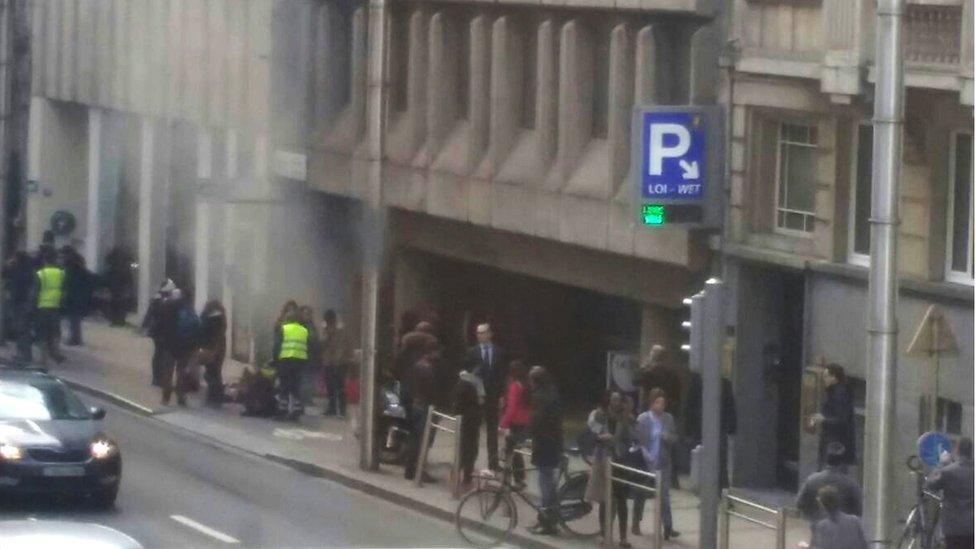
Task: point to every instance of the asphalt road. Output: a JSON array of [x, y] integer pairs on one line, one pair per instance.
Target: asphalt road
[[179, 490]]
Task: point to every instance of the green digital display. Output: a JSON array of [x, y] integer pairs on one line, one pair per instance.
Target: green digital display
[[652, 214]]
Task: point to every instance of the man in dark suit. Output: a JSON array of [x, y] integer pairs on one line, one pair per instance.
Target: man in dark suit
[[486, 360]]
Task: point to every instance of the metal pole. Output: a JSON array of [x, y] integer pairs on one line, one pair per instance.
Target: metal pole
[[781, 529], [608, 502], [712, 336], [373, 229], [883, 280], [723, 520], [656, 537], [456, 463], [418, 476]]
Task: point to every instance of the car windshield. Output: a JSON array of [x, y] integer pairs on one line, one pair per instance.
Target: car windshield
[[40, 401]]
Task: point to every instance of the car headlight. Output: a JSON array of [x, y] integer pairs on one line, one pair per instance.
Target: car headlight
[[102, 448], [10, 452]]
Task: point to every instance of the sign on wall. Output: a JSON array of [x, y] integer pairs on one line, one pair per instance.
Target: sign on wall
[[677, 165]]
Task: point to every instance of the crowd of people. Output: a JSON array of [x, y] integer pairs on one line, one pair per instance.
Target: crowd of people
[[42, 290]]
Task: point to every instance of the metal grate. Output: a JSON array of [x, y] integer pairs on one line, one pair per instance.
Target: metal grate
[[50, 455]]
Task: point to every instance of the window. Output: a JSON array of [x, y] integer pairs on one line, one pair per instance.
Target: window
[[959, 242], [859, 244], [796, 177], [948, 417]]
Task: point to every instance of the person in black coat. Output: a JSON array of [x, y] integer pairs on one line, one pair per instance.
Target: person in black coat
[[213, 348], [836, 417], [546, 430], [955, 479], [467, 403], [118, 278], [848, 491], [18, 275], [728, 421], [487, 361], [152, 327], [78, 288]]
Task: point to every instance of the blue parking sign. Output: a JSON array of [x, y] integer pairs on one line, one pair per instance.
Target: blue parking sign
[[673, 147]]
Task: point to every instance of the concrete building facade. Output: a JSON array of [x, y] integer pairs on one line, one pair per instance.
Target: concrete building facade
[[224, 144]]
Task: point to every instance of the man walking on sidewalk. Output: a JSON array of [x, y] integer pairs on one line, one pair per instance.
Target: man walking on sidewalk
[[50, 289], [334, 360]]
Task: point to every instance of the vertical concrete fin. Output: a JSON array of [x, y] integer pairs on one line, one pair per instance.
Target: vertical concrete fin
[[479, 88], [441, 83], [69, 50], [174, 57], [217, 62], [38, 44], [505, 83], [358, 72], [547, 103], [645, 89], [575, 99], [621, 103], [417, 76], [94, 224]]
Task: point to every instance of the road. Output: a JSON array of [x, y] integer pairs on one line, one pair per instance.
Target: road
[[182, 491]]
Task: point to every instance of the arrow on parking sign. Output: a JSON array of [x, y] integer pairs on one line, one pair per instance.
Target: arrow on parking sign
[[690, 171]]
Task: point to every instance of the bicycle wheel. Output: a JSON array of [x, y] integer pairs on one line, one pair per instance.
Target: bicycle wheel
[[911, 534], [575, 513], [485, 517]]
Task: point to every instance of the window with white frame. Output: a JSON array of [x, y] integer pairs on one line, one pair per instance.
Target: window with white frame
[[859, 243], [959, 241], [796, 177]]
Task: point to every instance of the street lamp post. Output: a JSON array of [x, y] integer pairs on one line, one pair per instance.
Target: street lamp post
[[883, 280]]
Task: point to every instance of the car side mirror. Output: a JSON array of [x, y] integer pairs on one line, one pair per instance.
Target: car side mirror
[[97, 413]]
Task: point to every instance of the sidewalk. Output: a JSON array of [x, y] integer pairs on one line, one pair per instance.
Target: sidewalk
[[114, 364]]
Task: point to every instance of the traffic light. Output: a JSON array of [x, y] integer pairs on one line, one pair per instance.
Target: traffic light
[[694, 326]]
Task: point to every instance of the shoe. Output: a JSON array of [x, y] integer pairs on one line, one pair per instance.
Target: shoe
[[60, 359], [543, 531], [181, 402], [668, 534], [636, 529], [625, 544], [428, 479], [340, 417]]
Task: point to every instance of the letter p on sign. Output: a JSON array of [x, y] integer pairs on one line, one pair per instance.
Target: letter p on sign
[[657, 151]]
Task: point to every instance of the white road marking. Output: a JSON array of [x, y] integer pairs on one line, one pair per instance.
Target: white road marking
[[204, 529]]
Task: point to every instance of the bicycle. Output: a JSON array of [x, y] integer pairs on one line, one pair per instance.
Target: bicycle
[[486, 516], [922, 529]]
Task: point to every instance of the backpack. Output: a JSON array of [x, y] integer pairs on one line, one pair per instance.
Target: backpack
[[187, 325]]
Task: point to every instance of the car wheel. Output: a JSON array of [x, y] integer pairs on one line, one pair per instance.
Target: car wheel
[[105, 499]]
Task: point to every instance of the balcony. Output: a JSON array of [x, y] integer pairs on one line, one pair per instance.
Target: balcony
[[833, 41]]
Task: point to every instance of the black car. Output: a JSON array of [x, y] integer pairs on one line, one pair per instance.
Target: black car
[[50, 443]]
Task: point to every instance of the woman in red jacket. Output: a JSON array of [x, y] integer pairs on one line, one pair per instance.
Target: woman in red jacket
[[515, 419]]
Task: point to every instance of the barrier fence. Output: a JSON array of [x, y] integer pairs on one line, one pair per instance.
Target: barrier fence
[[652, 480], [434, 419], [738, 507]]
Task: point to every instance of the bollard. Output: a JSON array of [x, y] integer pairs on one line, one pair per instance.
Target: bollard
[[456, 465], [657, 538], [607, 503], [723, 520], [781, 529], [422, 457]]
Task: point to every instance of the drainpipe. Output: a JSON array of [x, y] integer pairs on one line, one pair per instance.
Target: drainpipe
[[883, 281], [374, 228]]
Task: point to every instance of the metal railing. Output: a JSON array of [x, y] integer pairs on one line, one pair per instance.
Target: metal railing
[[433, 422], [730, 506], [651, 488]]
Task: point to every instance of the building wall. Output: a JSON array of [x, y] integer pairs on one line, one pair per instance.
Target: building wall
[[837, 328], [61, 174]]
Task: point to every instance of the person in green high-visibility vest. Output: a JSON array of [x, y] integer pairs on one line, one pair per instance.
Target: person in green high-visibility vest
[[49, 289], [291, 349]]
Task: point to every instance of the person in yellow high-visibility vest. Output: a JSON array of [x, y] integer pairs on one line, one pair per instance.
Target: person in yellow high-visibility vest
[[291, 349], [49, 290]]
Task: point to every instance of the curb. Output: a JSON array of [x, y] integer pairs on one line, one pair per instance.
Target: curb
[[393, 497], [312, 469], [115, 399]]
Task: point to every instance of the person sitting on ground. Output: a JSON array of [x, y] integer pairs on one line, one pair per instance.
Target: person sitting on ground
[[837, 530], [955, 479], [832, 475]]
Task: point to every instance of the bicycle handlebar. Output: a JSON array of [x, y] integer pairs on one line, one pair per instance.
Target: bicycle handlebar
[[914, 463]]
